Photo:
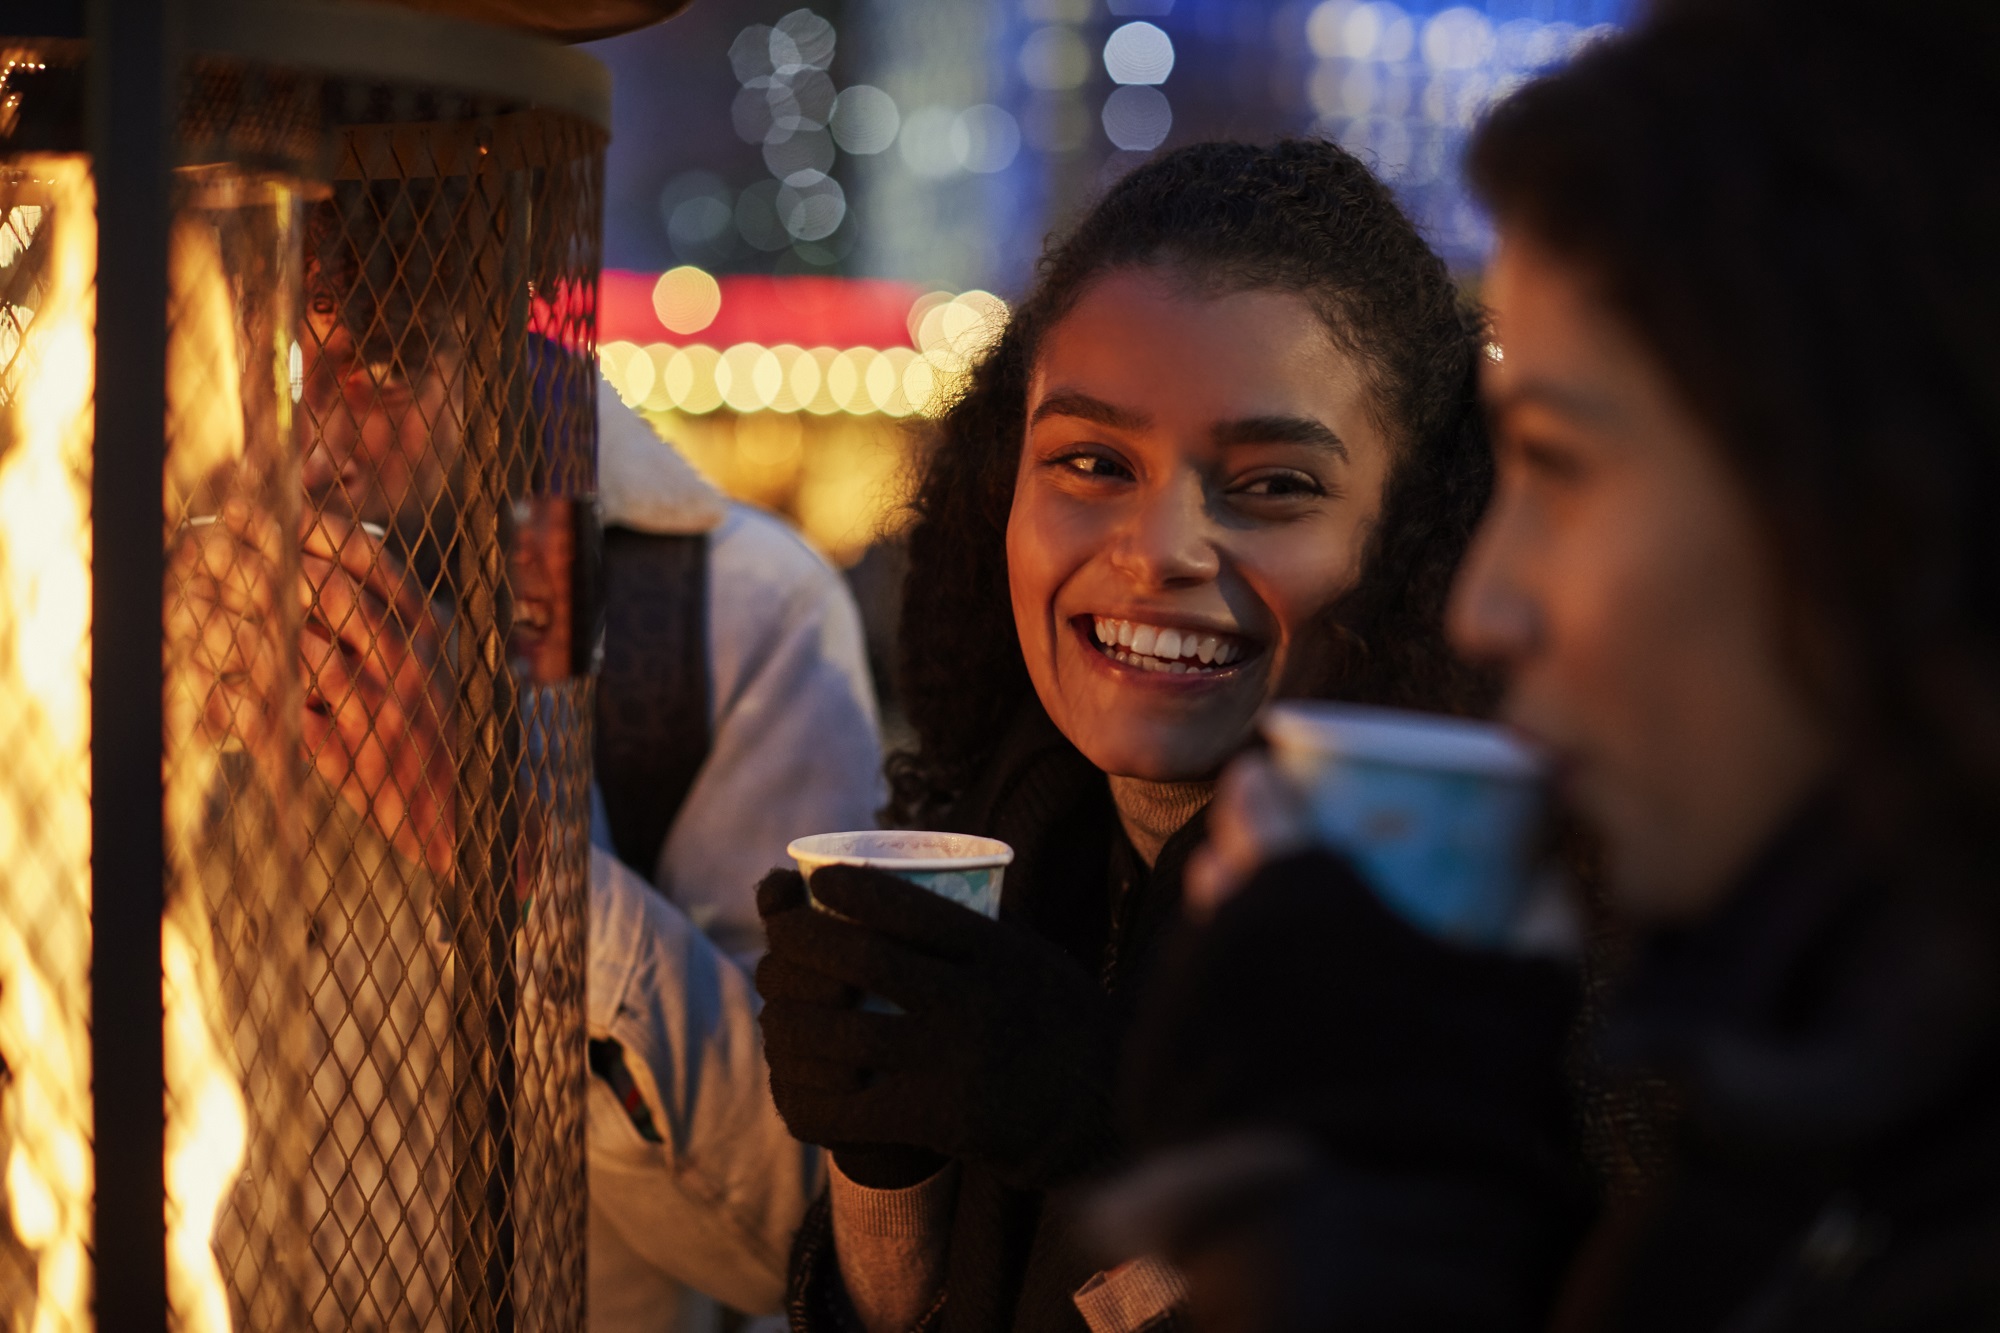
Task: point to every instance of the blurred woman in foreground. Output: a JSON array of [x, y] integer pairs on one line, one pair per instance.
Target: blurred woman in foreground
[[1742, 573]]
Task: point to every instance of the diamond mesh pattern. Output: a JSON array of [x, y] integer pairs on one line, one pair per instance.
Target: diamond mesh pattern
[[374, 959], [235, 928], [47, 308], [447, 416]]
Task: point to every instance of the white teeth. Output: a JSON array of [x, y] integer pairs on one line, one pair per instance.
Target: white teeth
[[1155, 649]]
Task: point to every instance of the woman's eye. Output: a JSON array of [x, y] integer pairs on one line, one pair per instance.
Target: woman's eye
[[1091, 465], [1545, 459], [1282, 485]]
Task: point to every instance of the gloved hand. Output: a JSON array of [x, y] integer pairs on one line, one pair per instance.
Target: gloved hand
[[1004, 1053], [1347, 1115]]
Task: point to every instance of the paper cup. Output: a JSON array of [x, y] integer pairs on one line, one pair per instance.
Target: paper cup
[[957, 866], [1439, 814]]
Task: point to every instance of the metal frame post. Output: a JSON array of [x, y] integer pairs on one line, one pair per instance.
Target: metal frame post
[[134, 93]]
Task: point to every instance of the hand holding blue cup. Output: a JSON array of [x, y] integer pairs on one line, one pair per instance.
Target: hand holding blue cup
[[1439, 814]]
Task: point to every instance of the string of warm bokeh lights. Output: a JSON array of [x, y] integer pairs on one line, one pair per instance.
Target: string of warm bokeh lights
[[816, 433], [947, 332]]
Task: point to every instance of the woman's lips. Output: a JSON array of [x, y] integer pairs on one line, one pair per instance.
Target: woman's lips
[[1168, 650]]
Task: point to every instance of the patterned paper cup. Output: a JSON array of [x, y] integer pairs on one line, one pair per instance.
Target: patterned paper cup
[[957, 866], [1438, 813]]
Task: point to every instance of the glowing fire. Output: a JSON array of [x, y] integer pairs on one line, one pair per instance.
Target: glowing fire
[[45, 827], [207, 1127], [45, 804]]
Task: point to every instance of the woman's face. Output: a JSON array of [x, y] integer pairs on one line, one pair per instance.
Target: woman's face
[[1198, 479], [1621, 581]]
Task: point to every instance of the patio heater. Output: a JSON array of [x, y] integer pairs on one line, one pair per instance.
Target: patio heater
[[297, 320]]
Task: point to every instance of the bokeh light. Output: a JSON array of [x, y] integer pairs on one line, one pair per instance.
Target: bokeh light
[[812, 209], [704, 392], [1457, 38], [925, 142], [1138, 117], [802, 158], [686, 299], [802, 40], [865, 120], [984, 139], [1139, 53], [1054, 59], [750, 53]]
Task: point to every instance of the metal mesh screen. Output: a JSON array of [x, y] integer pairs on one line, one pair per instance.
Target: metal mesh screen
[[47, 279], [233, 929], [446, 381], [377, 495]]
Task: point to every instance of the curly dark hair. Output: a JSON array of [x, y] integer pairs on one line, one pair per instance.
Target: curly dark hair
[[1299, 216], [1797, 220]]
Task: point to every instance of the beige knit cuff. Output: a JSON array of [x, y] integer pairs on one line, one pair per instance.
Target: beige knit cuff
[[919, 1210], [1135, 1295]]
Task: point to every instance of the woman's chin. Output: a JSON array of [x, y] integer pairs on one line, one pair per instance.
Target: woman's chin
[[1153, 758]]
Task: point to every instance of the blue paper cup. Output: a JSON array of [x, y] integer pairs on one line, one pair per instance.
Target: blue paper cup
[[1439, 814], [957, 866]]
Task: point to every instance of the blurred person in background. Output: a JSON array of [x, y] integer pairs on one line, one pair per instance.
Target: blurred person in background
[[1741, 574], [1230, 439], [743, 671]]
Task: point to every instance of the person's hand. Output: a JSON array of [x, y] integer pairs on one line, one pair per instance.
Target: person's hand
[[221, 618], [377, 693], [1345, 1121], [1256, 818], [1003, 1054]]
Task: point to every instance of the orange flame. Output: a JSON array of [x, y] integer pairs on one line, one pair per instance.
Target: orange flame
[[45, 805], [45, 818]]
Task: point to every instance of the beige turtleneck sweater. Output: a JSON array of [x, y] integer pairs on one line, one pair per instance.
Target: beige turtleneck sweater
[[1152, 812]]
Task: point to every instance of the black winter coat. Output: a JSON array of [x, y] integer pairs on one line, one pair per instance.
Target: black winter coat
[[1017, 1257], [1836, 1040], [1832, 1036]]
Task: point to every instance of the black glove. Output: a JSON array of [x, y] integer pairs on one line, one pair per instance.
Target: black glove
[[1004, 1052], [1420, 1090]]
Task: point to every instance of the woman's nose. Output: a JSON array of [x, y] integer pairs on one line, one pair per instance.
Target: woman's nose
[[1493, 616], [1169, 539]]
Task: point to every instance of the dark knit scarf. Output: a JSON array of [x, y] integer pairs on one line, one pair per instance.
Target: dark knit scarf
[[1017, 1257]]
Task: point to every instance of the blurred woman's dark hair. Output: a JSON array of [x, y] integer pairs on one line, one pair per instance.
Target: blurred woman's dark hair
[[1300, 216], [1810, 255]]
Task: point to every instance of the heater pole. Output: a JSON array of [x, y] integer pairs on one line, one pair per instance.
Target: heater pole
[[134, 96]]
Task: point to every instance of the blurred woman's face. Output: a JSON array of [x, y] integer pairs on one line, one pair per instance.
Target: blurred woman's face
[[1198, 480], [383, 434], [1621, 580]]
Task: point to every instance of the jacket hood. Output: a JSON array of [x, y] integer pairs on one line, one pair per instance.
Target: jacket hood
[[643, 483]]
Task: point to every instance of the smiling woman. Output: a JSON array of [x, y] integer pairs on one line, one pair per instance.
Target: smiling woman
[[1200, 466], [1228, 448]]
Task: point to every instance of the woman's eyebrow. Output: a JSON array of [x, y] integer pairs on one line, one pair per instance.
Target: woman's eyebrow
[[1279, 430], [1086, 408], [1560, 398]]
